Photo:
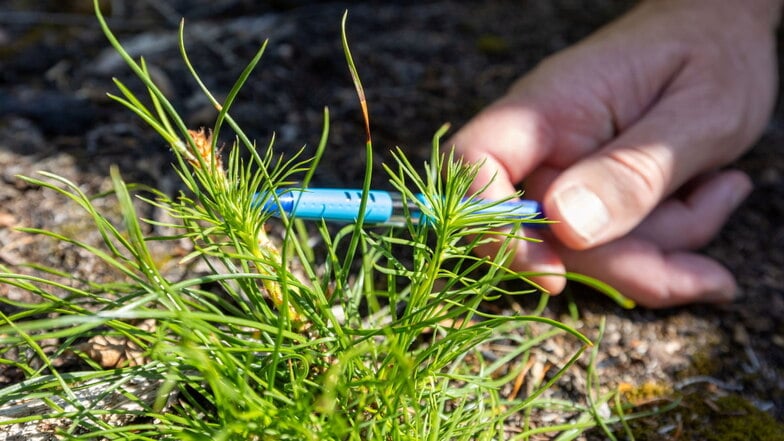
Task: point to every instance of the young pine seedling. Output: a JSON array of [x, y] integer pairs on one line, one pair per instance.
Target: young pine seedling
[[382, 336]]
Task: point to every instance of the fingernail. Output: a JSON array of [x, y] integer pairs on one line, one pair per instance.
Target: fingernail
[[585, 213]]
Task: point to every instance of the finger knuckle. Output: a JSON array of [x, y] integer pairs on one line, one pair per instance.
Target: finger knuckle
[[642, 174]]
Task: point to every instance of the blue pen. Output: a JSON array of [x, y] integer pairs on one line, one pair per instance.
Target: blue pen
[[383, 207]]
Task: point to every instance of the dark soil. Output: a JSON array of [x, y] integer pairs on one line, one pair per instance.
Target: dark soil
[[423, 64]]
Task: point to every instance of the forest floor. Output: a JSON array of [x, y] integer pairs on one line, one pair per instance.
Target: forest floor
[[423, 64]]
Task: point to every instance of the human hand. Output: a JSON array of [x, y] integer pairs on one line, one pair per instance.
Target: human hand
[[622, 138]]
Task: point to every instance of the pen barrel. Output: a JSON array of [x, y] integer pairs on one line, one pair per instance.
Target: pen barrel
[[330, 204], [514, 209], [509, 211], [381, 207]]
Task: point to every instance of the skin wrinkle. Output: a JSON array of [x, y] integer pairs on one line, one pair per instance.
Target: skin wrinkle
[[735, 125], [716, 133], [648, 87], [657, 93], [576, 140], [599, 100], [582, 115], [618, 112], [646, 92], [644, 166], [701, 63]]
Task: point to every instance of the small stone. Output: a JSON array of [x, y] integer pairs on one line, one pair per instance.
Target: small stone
[[7, 220]]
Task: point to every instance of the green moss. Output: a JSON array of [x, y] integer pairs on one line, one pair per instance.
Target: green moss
[[701, 417], [493, 44], [703, 363], [706, 359], [733, 418]]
